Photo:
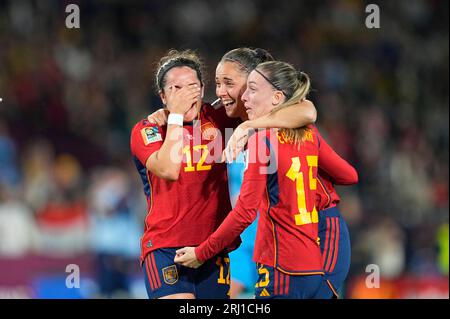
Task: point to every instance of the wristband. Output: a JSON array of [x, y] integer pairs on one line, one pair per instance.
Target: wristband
[[175, 119]]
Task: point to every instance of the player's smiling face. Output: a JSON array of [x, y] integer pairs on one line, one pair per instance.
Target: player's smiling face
[[260, 97], [179, 77], [231, 83]]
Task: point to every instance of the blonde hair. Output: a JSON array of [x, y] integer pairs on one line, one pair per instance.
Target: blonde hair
[[295, 85]]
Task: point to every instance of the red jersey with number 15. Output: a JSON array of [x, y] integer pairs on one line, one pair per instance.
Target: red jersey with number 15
[[184, 212], [282, 184]]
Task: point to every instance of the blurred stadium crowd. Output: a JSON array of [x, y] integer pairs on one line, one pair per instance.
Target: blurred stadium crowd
[[69, 192]]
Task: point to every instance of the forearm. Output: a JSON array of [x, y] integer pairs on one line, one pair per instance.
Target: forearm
[[293, 116], [235, 223], [244, 213], [166, 162]]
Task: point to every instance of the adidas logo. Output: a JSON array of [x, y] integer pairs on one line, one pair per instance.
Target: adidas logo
[[264, 293]]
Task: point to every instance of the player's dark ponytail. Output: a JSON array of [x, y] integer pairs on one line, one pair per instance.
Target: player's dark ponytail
[[246, 58], [262, 55]]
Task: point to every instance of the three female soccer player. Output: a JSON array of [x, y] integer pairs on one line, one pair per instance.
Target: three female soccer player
[[184, 182]]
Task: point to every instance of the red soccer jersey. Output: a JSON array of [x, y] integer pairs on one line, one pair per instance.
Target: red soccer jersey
[[184, 212], [288, 228], [326, 196]]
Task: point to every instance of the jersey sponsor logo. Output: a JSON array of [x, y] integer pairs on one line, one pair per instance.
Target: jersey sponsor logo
[[209, 131], [170, 274], [151, 135]]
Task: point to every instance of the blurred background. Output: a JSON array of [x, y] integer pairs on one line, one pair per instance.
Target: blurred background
[[69, 191]]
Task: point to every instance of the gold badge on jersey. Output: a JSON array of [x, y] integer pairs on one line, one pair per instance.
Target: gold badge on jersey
[[170, 274], [209, 131]]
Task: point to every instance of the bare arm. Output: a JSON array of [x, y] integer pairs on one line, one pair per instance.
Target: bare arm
[[293, 116], [159, 117], [166, 162]]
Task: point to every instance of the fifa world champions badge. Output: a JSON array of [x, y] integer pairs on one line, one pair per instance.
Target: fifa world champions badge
[[150, 135]]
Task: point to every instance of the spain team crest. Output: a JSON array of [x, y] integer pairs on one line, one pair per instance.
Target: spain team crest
[[170, 274], [209, 131]]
